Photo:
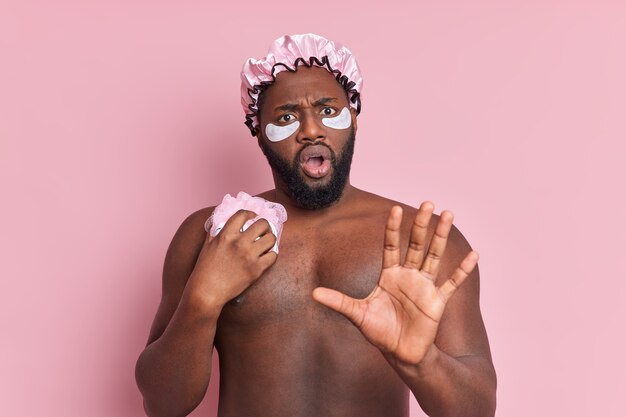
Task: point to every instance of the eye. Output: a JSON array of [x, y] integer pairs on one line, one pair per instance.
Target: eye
[[286, 118], [328, 111]]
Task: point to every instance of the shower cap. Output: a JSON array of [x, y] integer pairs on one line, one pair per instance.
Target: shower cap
[[274, 213], [286, 54]]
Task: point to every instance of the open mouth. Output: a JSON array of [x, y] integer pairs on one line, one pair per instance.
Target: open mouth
[[315, 161]]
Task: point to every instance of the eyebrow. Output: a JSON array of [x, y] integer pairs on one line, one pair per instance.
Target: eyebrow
[[294, 106]]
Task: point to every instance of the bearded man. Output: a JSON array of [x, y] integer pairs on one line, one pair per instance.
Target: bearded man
[[328, 327]]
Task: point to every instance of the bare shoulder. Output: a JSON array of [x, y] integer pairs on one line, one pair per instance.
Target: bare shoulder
[[455, 238], [457, 246], [190, 233], [180, 261]]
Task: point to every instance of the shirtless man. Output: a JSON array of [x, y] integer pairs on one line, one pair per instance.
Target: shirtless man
[[363, 303]]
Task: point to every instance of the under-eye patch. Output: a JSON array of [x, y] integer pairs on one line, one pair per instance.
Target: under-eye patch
[[277, 133], [342, 121]]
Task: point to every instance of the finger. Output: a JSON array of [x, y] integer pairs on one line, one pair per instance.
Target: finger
[[268, 259], [236, 221], [208, 224], [264, 243], [430, 268], [417, 242], [391, 249], [462, 272], [339, 302], [258, 228], [207, 228], [210, 237]]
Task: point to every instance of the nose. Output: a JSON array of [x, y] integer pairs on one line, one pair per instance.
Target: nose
[[311, 129]]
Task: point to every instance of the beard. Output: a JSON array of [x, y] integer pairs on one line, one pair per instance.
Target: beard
[[317, 196]]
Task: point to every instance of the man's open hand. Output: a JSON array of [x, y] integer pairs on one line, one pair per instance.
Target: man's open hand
[[401, 315]]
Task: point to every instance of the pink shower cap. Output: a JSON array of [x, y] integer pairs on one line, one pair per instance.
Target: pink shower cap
[[287, 53], [274, 213]]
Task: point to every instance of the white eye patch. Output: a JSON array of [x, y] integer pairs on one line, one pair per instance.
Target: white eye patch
[[341, 121], [277, 133]]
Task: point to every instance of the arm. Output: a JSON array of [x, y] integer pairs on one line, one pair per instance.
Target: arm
[[456, 377], [200, 275], [173, 372], [443, 358], [449, 386]]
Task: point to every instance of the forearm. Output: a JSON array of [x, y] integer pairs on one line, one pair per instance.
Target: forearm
[[173, 372], [446, 386]]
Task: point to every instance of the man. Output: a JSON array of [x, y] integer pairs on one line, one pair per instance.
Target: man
[[328, 327]]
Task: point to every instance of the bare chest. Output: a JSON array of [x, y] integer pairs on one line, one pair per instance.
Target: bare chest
[[347, 260]]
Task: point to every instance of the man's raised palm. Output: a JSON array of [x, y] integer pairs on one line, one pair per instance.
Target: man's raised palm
[[401, 315]]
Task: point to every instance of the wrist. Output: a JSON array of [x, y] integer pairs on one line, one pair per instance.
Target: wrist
[[205, 305], [429, 363], [427, 366]]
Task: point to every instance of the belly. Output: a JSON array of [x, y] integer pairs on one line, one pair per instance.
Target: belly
[[312, 364]]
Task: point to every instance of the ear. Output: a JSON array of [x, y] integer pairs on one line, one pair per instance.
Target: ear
[[354, 122], [259, 139]]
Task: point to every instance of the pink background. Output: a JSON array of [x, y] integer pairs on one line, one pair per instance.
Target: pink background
[[119, 119]]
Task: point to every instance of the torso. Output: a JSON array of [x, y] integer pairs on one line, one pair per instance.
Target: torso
[[283, 354]]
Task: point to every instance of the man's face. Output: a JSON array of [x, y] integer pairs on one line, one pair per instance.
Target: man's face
[[307, 139]]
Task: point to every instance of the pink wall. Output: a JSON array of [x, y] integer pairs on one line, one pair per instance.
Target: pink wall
[[119, 119]]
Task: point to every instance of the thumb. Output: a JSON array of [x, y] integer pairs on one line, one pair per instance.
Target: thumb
[[207, 228], [208, 237], [341, 303]]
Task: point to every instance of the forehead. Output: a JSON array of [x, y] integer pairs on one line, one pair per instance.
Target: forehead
[[306, 83]]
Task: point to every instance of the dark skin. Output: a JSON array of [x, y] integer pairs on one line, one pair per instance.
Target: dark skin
[[368, 299]]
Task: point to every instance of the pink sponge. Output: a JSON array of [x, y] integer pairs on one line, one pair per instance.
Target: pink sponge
[[274, 213]]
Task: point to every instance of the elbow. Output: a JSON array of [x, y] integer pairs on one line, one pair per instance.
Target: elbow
[[484, 405], [488, 392], [159, 401], [490, 405], [484, 395], [166, 409], [485, 398], [491, 396]]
